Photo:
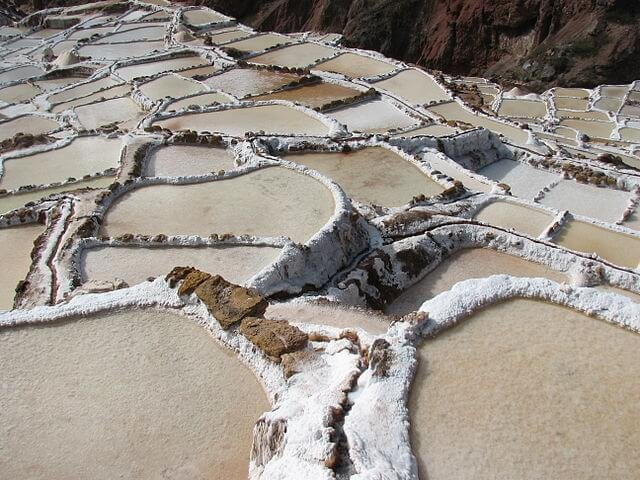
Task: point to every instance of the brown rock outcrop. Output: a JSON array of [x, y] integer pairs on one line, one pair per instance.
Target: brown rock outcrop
[[273, 337], [192, 281]]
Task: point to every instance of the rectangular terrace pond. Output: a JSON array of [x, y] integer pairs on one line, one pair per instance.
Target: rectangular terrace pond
[[571, 92], [137, 34], [228, 36], [241, 82], [116, 110], [526, 389], [525, 181], [453, 111], [435, 130], [415, 86], [617, 248], [18, 93], [591, 115], [609, 104], [313, 95], [82, 90], [171, 85], [113, 92], [296, 56], [56, 83], [614, 91], [510, 215], [119, 51], [355, 66], [372, 175], [201, 16], [83, 156], [27, 124], [464, 265], [372, 116], [237, 264], [457, 172], [591, 128], [12, 202], [20, 73], [149, 69], [275, 201], [202, 100], [16, 244], [630, 134], [259, 42], [568, 103], [522, 109], [274, 119], [182, 160], [601, 203], [125, 395]]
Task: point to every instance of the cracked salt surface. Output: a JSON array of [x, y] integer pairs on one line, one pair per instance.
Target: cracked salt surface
[[330, 206]]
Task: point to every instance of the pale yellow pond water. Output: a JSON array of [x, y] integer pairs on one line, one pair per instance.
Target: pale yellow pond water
[[435, 130], [113, 92], [590, 115], [464, 265], [228, 36], [275, 201], [415, 86], [201, 16], [102, 113], [171, 85], [296, 56], [571, 92], [137, 34], [372, 175], [137, 394], [83, 90], [630, 134], [180, 160], [18, 93], [27, 124], [16, 244], [119, 51], [568, 103], [236, 264], [275, 119], [522, 109], [151, 68], [202, 100], [591, 128], [518, 217], [615, 91], [372, 116], [355, 66], [259, 42], [241, 82], [609, 104], [313, 95], [527, 390], [618, 248], [83, 156]]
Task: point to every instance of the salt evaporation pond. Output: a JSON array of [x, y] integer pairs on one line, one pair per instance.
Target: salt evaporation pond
[[526, 389], [295, 56], [241, 82], [373, 175], [16, 244], [228, 36], [312, 95], [340, 316], [522, 109], [83, 156], [236, 264], [183, 160], [464, 265], [618, 248], [116, 110], [373, 116], [83, 90], [201, 100], [259, 42], [591, 128], [453, 111], [415, 86], [276, 201], [355, 66], [568, 103], [590, 116], [117, 51], [137, 394], [456, 171], [274, 119], [434, 130], [149, 69], [136, 34], [171, 85], [571, 92], [201, 16], [509, 215], [107, 94], [20, 73], [18, 93], [604, 204], [525, 181], [27, 124]]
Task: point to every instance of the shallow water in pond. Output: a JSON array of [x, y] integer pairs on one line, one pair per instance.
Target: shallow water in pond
[[126, 395], [604, 204], [615, 91], [464, 265], [525, 181], [11, 202], [435, 130], [113, 92], [527, 390], [203, 100], [618, 248], [372, 175], [171, 85], [119, 51], [630, 134], [83, 90], [340, 316], [245, 81], [522, 109], [55, 83], [84, 156], [275, 201], [18, 93], [295, 56], [228, 36], [236, 264], [151, 68], [415, 86], [571, 92], [568, 103], [518, 217], [453, 111], [27, 124], [102, 113], [609, 104], [259, 43], [201, 16], [591, 128], [313, 95], [137, 34], [182, 160], [16, 244], [274, 119], [20, 73], [372, 116], [355, 66], [457, 172]]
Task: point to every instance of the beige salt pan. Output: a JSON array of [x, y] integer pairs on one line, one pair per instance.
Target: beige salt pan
[[16, 244]]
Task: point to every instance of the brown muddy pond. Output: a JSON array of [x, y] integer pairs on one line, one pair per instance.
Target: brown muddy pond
[[372, 175], [517, 217], [136, 394], [276, 201], [16, 244], [526, 389], [313, 95]]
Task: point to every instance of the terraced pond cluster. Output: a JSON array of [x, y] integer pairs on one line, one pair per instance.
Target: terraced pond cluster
[[393, 272]]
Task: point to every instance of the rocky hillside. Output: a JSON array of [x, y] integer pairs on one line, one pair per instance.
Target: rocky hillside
[[538, 43]]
